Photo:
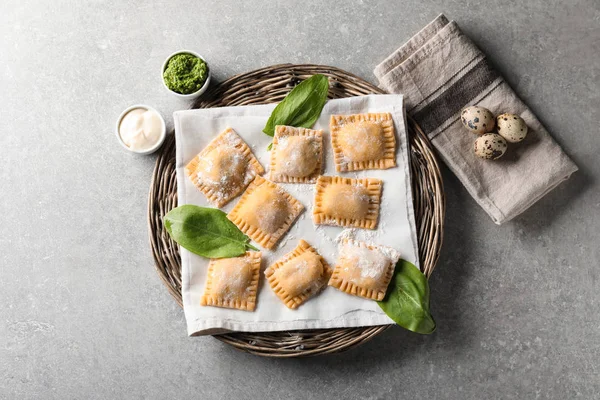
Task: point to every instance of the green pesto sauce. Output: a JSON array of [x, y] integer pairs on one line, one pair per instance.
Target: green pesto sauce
[[185, 73]]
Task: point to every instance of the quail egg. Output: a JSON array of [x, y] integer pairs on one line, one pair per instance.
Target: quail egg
[[490, 146], [477, 119], [511, 127]]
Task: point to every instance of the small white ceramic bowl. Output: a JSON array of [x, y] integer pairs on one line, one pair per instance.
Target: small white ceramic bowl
[[163, 133], [191, 95]]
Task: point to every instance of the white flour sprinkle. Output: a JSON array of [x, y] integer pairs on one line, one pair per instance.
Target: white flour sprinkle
[[304, 188], [346, 234], [392, 254], [369, 235], [320, 232], [372, 263], [286, 239]]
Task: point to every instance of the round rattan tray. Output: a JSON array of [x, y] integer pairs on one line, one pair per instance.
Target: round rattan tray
[[269, 85]]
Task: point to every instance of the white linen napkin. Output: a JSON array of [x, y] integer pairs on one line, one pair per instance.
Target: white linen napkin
[[194, 129]]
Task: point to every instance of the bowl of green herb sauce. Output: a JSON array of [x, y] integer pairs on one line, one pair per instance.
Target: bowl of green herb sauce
[[186, 74]]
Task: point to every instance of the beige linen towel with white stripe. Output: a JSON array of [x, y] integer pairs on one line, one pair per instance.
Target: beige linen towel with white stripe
[[440, 71]]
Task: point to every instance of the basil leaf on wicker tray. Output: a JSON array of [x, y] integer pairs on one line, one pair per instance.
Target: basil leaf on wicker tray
[[302, 106], [407, 299], [206, 232]]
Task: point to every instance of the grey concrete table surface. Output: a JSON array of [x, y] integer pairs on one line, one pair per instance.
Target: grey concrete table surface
[[83, 314]]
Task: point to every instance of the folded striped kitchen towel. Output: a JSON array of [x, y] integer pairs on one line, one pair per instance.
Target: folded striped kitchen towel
[[440, 71]]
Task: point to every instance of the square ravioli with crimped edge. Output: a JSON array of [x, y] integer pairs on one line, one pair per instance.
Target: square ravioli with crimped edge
[[347, 202], [265, 212], [233, 282], [298, 275], [364, 270], [297, 155], [224, 168], [363, 141]]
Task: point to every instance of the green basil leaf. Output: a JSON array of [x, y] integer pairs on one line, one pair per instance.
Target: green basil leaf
[[407, 299], [206, 232], [302, 106]]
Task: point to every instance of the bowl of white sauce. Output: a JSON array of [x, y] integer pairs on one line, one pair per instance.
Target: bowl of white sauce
[[141, 129]]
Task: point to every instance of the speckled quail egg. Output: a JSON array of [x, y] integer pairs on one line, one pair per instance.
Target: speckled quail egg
[[490, 146], [477, 119], [511, 127]]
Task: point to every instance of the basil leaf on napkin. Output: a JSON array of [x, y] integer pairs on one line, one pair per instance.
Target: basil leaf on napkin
[[302, 106], [407, 299], [206, 232]]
